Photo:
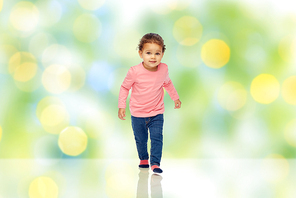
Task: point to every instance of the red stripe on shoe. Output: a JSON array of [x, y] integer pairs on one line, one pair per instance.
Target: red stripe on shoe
[[144, 162], [154, 166]]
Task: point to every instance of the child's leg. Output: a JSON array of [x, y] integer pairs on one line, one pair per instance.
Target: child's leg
[[156, 127], [141, 137]]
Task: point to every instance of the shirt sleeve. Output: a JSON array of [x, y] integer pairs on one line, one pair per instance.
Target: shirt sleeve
[[125, 87], [169, 87]]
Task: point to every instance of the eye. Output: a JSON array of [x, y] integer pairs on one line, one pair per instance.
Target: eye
[[157, 53], [148, 53]]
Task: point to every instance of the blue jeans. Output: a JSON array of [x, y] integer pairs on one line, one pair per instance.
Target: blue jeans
[[140, 128]]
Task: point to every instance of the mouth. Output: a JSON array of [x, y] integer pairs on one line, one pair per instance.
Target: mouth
[[152, 61]]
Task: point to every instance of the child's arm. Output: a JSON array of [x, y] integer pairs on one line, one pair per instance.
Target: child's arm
[[124, 91], [169, 87]]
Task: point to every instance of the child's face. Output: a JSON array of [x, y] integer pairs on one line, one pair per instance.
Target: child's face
[[151, 55]]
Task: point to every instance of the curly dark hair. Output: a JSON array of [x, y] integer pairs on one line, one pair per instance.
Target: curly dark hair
[[151, 38]]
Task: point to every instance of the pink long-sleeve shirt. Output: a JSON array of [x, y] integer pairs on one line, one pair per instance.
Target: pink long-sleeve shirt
[[147, 90]]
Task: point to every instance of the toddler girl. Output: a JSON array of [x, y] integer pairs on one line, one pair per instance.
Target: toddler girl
[[147, 81]]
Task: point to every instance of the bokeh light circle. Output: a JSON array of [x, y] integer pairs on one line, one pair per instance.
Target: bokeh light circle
[[87, 28], [24, 69], [91, 4], [290, 133], [72, 141], [24, 16], [215, 53], [289, 90], [30, 85], [25, 72], [43, 187], [232, 96], [56, 79], [265, 88], [187, 30], [18, 59], [45, 102], [53, 115]]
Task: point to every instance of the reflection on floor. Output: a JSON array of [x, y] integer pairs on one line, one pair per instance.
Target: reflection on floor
[[73, 178], [155, 184]]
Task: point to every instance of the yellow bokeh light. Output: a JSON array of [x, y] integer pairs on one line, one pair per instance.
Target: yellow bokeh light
[[290, 133], [187, 30], [30, 85], [24, 16], [287, 48], [87, 28], [215, 53], [53, 115], [1, 5], [18, 59], [43, 187], [289, 90], [72, 141], [24, 69], [232, 96], [56, 54], [265, 88], [56, 79], [25, 72], [91, 4], [275, 168], [45, 102]]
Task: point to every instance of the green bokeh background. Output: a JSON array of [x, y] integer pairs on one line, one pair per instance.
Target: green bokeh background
[[201, 128]]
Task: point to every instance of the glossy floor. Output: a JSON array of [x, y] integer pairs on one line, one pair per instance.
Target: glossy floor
[[72, 178]]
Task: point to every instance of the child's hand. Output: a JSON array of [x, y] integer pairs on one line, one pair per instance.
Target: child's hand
[[121, 113], [177, 104]]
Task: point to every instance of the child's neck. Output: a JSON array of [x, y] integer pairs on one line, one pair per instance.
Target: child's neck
[[150, 69]]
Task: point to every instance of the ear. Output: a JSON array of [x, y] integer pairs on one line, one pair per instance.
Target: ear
[[140, 53]]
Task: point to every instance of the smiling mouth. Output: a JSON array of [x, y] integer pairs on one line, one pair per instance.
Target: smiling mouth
[[152, 61]]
